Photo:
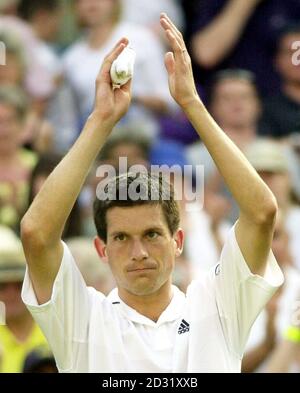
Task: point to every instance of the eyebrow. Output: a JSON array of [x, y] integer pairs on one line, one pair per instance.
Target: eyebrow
[[150, 229]]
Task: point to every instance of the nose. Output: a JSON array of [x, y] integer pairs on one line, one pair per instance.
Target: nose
[[139, 251]]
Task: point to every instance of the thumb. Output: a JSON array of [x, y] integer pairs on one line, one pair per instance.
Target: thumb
[[127, 87], [170, 62]]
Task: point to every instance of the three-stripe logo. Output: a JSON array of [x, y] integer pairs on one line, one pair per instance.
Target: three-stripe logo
[[184, 327]]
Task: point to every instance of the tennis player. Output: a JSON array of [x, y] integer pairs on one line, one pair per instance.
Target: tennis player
[[146, 324]]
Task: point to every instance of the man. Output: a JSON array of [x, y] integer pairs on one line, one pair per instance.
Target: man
[[146, 324]]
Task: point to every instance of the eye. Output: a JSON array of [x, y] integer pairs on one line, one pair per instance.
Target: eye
[[152, 235], [120, 237]]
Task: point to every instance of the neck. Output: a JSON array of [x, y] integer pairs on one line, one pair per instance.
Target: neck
[[242, 136], [292, 90], [151, 306], [99, 34], [21, 325]]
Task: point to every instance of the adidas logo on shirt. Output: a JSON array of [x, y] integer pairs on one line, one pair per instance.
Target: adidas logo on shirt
[[184, 327]]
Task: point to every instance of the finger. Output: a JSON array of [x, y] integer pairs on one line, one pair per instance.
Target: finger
[[171, 25], [170, 62], [174, 43], [168, 28], [113, 54], [127, 86]]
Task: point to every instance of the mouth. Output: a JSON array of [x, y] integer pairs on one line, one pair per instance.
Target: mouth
[[140, 270]]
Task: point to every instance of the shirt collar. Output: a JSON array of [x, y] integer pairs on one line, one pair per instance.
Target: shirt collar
[[171, 313]]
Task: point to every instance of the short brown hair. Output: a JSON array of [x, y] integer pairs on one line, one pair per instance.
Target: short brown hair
[[117, 194]]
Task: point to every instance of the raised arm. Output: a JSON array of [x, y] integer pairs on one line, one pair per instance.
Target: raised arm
[[214, 42], [42, 225], [254, 229]]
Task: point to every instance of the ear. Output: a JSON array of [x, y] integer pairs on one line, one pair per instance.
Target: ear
[[178, 239], [101, 249]]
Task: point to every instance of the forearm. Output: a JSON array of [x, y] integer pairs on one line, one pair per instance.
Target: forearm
[[214, 42], [252, 195], [283, 357], [255, 357], [51, 207]]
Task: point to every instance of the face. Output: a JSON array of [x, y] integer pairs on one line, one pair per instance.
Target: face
[[51, 23], [279, 184], [133, 153], [10, 127], [284, 64], [93, 13], [235, 103], [12, 73], [10, 295], [140, 249]]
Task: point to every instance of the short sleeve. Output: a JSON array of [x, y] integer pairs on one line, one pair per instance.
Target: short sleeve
[[65, 317], [241, 295]]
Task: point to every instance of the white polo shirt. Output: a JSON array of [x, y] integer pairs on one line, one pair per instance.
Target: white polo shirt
[[204, 331]]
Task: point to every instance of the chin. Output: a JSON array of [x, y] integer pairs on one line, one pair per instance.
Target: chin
[[143, 289]]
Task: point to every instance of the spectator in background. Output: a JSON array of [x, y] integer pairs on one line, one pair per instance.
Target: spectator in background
[[287, 352], [96, 273], [235, 105], [41, 171], [44, 18], [281, 114], [147, 13], [38, 82], [125, 142], [104, 23], [240, 34], [36, 133], [16, 163], [20, 334], [14, 71], [270, 161], [267, 331]]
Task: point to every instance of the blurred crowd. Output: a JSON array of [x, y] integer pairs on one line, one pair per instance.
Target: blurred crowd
[[248, 74]]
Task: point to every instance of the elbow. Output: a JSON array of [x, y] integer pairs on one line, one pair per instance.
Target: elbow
[[31, 235], [268, 212]]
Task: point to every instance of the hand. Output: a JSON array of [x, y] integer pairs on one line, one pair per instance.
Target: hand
[[111, 103], [179, 66]]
